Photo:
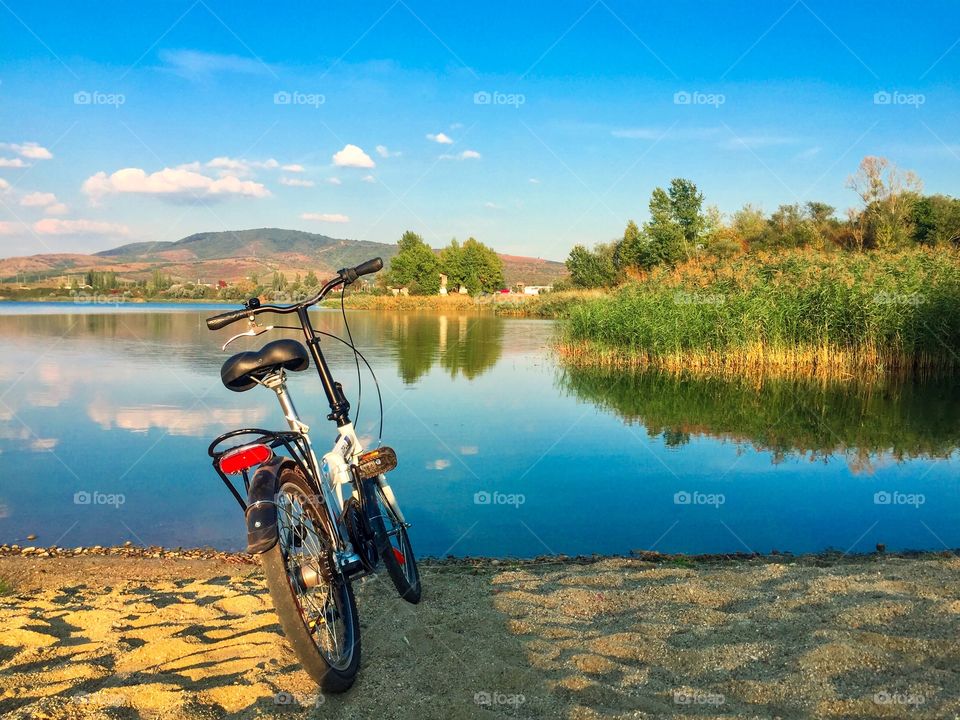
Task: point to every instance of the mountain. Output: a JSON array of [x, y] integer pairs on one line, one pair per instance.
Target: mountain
[[236, 254]]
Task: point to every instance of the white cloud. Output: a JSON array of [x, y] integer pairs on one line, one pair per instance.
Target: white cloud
[[465, 155], [296, 182], [809, 153], [10, 228], [38, 199], [56, 209], [335, 181], [325, 217], [385, 152], [12, 162], [50, 226], [368, 179], [241, 167], [171, 183], [30, 150], [294, 167], [441, 138], [667, 133], [4, 185], [491, 205], [195, 65], [534, 181], [752, 142], [353, 156]]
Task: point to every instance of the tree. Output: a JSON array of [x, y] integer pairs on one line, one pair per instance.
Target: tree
[[629, 251], [675, 230], [596, 268], [790, 227], [686, 204], [415, 266], [749, 224], [311, 280], [888, 195], [664, 235], [481, 268], [936, 219]]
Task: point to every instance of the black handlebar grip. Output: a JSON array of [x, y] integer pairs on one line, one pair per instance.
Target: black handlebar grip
[[370, 266], [350, 275], [218, 321]]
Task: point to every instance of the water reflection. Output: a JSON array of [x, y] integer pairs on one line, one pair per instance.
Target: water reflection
[[899, 419], [467, 345]]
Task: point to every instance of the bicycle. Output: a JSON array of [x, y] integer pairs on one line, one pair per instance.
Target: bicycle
[[312, 543]]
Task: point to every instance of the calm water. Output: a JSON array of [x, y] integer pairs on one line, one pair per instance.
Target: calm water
[[501, 452]]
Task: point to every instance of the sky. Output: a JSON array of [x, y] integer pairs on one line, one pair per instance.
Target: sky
[[530, 126]]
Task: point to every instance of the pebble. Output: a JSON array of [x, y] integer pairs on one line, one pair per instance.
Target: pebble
[[31, 536]]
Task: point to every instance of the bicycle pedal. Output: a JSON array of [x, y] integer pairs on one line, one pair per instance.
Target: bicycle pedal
[[375, 462]]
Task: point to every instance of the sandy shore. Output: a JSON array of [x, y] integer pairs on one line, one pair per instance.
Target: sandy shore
[[121, 637]]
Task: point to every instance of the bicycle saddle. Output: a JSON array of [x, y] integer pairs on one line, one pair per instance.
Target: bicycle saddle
[[241, 371]]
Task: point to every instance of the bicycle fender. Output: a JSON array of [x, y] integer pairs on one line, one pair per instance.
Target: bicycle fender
[[261, 512]]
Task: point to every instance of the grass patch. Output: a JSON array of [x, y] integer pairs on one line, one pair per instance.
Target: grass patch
[[6, 586], [803, 313], [547, 305]]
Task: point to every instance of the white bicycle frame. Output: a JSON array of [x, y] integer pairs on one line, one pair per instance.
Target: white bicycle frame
[[333, 469]]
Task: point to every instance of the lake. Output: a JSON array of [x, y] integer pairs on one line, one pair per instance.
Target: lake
[[106, 413]]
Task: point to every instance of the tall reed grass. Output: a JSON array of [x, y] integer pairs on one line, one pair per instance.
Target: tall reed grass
[[797, 312]]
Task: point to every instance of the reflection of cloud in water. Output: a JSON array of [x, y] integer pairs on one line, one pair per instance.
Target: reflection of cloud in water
[[174, 420], [4, 510], [469, 450], [43, 444], [438, 464]]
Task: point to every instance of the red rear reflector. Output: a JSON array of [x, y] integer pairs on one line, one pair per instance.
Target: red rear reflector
[[244, 457], [399, 556]]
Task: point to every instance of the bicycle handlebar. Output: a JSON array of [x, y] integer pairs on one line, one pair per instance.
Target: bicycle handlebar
[[344, 276]]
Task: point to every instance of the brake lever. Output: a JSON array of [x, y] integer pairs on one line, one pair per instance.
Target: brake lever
[[252, 331]]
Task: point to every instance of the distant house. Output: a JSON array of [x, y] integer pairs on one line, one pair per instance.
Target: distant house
[[536, 289]]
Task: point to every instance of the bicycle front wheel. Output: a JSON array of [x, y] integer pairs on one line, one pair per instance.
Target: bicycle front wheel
[[314, 603], [392, 541]]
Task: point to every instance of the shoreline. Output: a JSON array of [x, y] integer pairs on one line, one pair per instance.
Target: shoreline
[[823, 558], [99, 636]]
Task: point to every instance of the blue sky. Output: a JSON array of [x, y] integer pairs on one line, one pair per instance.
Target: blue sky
[[529, 126]]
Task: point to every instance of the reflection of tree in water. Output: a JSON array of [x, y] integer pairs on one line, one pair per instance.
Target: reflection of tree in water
[[470, 345], [417, 339], [919, 417], [467, 344]]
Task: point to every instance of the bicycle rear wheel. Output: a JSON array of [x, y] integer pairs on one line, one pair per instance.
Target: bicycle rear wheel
[[315, 605], [392, 541]]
